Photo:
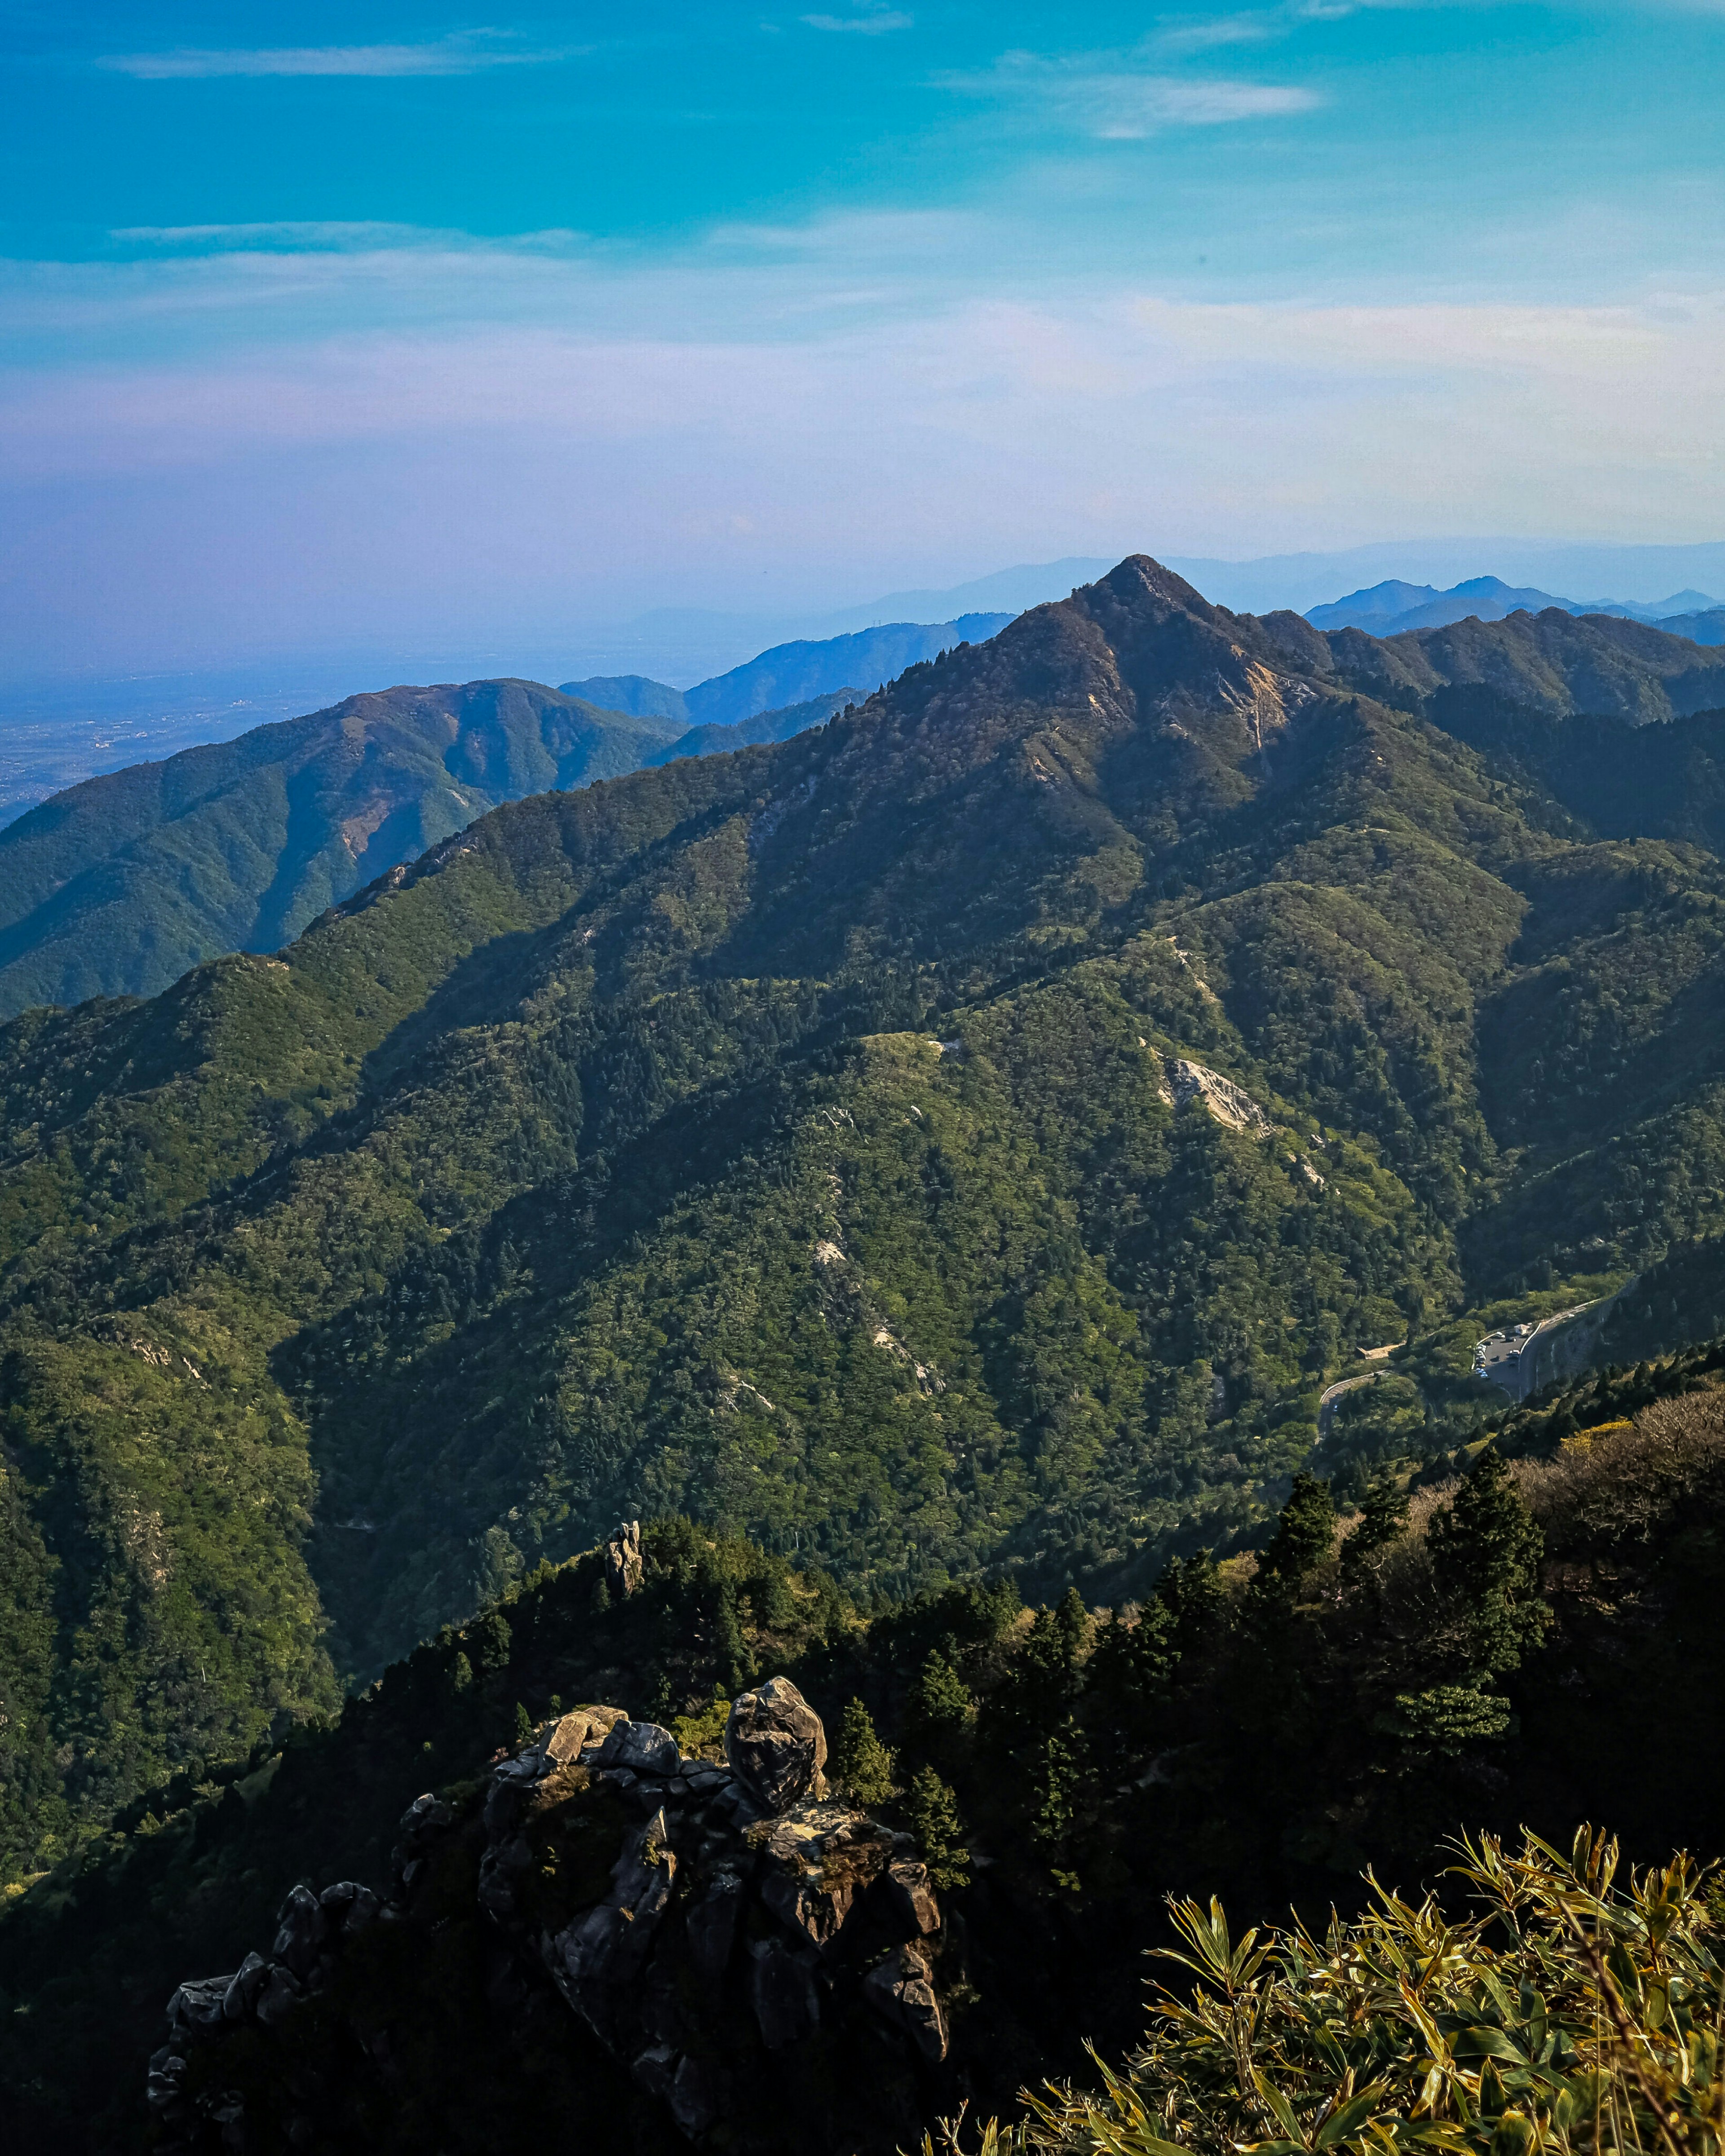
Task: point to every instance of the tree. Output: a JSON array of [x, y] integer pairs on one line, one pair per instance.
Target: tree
[[862, 1765], [1382, 1520], [1190, 1591], [940, 1708], [493, 1641], [932, 1809], [1486, 1550], [1303, 1534]]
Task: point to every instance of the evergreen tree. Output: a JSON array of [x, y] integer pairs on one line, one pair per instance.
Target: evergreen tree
[[861, 1764], [932, 1810], [1486, 1550], [940, 1708], [1190, 1591], [1075, 1626], [1382, 1520], [1303, 1533]]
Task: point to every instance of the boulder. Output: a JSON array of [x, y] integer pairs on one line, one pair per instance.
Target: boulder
[[782, 1991], [901, 1989], [199, 2003], [242, 1994], [280, 1994], [775, 1742], [349, 1906], [711, 1925], [818, 1858], [305, 1930], [912, 1897], [641, 1747], [623, 1559]]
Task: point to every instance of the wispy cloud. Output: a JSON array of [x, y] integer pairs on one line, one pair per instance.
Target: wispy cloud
[[281, 232], [1253, 26], [871, 18], [463, 53], [1109, 96]]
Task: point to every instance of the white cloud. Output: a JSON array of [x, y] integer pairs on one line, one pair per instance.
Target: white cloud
[[872, 19], [281, 232], [1108, 96], [465, 53]]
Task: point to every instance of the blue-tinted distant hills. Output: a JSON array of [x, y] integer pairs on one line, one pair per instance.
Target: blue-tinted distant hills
[[790, 673], [1392, 609]]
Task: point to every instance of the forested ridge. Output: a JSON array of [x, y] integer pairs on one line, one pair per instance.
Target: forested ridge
[[963, 1139], [1503, 1642]]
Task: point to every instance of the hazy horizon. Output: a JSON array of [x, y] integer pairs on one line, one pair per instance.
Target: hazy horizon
[[371, 331]]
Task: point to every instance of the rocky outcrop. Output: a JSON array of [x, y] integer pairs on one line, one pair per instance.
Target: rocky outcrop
[[775, 1743], [312, 1931], [717, 1925], [1231, 1104], [622, 1560]]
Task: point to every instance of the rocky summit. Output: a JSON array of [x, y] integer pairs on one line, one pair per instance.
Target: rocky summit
[[731, 1936]]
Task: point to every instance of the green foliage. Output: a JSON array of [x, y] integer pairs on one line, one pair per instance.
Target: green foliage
[[861, 1764], [1383, 1521], [1484, 1553], [1568, 2014], [797, 1140], [119, 884], [1303, 1533], [933, 1811]]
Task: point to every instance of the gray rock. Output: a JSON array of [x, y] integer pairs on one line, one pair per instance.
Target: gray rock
[[642, 1747], [280, 1994], [712, 1926], [623, 1559], [502, 1869], [911, 1897], [242, 1994], [900, 1988], [426, 1817], [693, 2098], [199, 2003], [166, 2085], [776, 1745], [782, 1991], [349, 1906], [818, 1860], [303, 1930]]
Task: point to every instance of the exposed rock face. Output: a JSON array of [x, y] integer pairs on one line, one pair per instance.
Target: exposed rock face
[[622, 1560], [714, 1941], [312, 1932], [1231, 1105], [776, 1744]]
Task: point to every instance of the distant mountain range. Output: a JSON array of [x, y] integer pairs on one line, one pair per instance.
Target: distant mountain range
[[118, 886], [790, 674], [1392, 609]]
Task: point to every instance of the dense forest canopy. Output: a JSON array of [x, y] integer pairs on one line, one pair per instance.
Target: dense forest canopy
[[968, 1138]]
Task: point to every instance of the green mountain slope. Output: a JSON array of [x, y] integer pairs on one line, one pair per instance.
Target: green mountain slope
[[971, 1133], [1553, 662], [117, 885]]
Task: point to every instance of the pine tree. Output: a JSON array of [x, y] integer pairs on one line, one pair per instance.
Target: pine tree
[[940, 1708], [862, 1765], [523, 1725], [1303, 1533], [932, 1809], [1382, 1520], [1485, 1552]]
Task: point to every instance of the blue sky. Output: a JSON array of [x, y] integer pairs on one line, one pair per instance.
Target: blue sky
[[366, 325]]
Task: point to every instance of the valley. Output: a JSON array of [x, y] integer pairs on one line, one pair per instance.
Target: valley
[[957, 1146]]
